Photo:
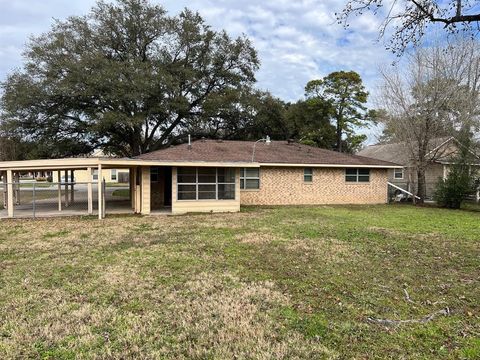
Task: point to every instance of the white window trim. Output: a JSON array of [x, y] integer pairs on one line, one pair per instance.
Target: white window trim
[[244, 177], [216, 183], [395, 174]]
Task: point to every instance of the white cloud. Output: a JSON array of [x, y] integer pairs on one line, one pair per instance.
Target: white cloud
[[296, 40]]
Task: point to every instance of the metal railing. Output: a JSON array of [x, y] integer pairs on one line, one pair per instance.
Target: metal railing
[[404, 194]]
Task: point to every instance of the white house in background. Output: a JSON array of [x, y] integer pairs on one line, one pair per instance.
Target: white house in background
[[110, 175]]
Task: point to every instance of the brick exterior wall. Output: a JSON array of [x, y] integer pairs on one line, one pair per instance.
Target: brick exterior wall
[[285, 186]]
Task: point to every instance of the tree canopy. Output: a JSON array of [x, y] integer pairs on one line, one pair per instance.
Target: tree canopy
[[126, 77], [129, 79], [435, 95], [410, 19], [345, 96]]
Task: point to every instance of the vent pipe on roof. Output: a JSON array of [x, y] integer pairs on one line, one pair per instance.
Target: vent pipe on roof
[[189, 142]]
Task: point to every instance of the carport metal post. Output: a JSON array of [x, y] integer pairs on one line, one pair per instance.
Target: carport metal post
[[66, 188], [4, 189], [59, 175], [33, 200], [100, 192], [10, 193], [90, 191], [72, 186], [17, 187]]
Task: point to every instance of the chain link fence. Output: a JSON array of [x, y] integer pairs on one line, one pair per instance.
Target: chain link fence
[[43, 199], [32, 199]]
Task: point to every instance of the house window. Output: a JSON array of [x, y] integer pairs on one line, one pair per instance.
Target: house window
[[249, 178], [398, 174], [205, 183], [113, 175], [95, 174], [154, 177], [308, 174], [357, 175]]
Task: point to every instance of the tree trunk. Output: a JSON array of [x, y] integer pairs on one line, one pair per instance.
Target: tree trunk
[[421, 185], [339, 137]]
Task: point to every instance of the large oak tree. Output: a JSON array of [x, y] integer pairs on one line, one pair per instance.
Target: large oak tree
[[127, 78]]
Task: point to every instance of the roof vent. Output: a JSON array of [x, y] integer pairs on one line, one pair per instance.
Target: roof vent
[[203, 139], [290, 141], [219, 140], [189, 142]]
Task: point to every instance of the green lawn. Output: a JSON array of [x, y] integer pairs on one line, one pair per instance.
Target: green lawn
[[266, 283], [26, 196], [121, 193], [38, 185]]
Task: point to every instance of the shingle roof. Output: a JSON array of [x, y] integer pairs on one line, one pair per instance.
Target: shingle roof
[[396, 152], [276, 152], [399, 153]]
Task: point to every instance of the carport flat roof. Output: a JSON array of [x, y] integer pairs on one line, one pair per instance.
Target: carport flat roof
[[83, 163]]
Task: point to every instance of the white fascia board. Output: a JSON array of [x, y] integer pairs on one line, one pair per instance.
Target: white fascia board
[[83, 163], [332, 166]]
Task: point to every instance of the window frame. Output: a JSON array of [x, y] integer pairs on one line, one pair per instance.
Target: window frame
[[305, 175], [244, 178], [216, 184], [113, 175], [154, 174], [357, 175], [95, 174], [395, 174]]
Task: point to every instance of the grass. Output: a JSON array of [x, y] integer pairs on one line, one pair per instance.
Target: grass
[[38, 185], [26, 196], [121, 193], [115, 184], [270, 283]]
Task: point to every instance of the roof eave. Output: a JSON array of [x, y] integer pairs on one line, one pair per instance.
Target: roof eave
[[377, 166]]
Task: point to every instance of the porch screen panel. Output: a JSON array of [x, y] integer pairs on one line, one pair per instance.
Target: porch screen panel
[[205, 183], [226, 183], [207, 180], [187, 183]]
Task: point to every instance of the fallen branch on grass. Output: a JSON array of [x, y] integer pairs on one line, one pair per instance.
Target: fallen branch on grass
[[388, 322], [407, 296]]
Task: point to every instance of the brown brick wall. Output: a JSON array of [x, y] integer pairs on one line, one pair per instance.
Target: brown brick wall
[[285, 186]]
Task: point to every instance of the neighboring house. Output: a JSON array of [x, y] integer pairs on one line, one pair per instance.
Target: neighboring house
[[441, 156], [82, 176], [219, 176]]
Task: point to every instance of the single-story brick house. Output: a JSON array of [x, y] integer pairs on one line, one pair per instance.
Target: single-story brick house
[[219, 176]]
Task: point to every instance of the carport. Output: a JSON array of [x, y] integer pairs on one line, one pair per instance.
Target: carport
[[156, 186], [66, 197]]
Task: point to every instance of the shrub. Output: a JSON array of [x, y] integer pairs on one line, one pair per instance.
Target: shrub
[[452, 191]]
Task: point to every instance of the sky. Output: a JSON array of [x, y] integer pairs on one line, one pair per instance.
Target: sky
[[297, 40]]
